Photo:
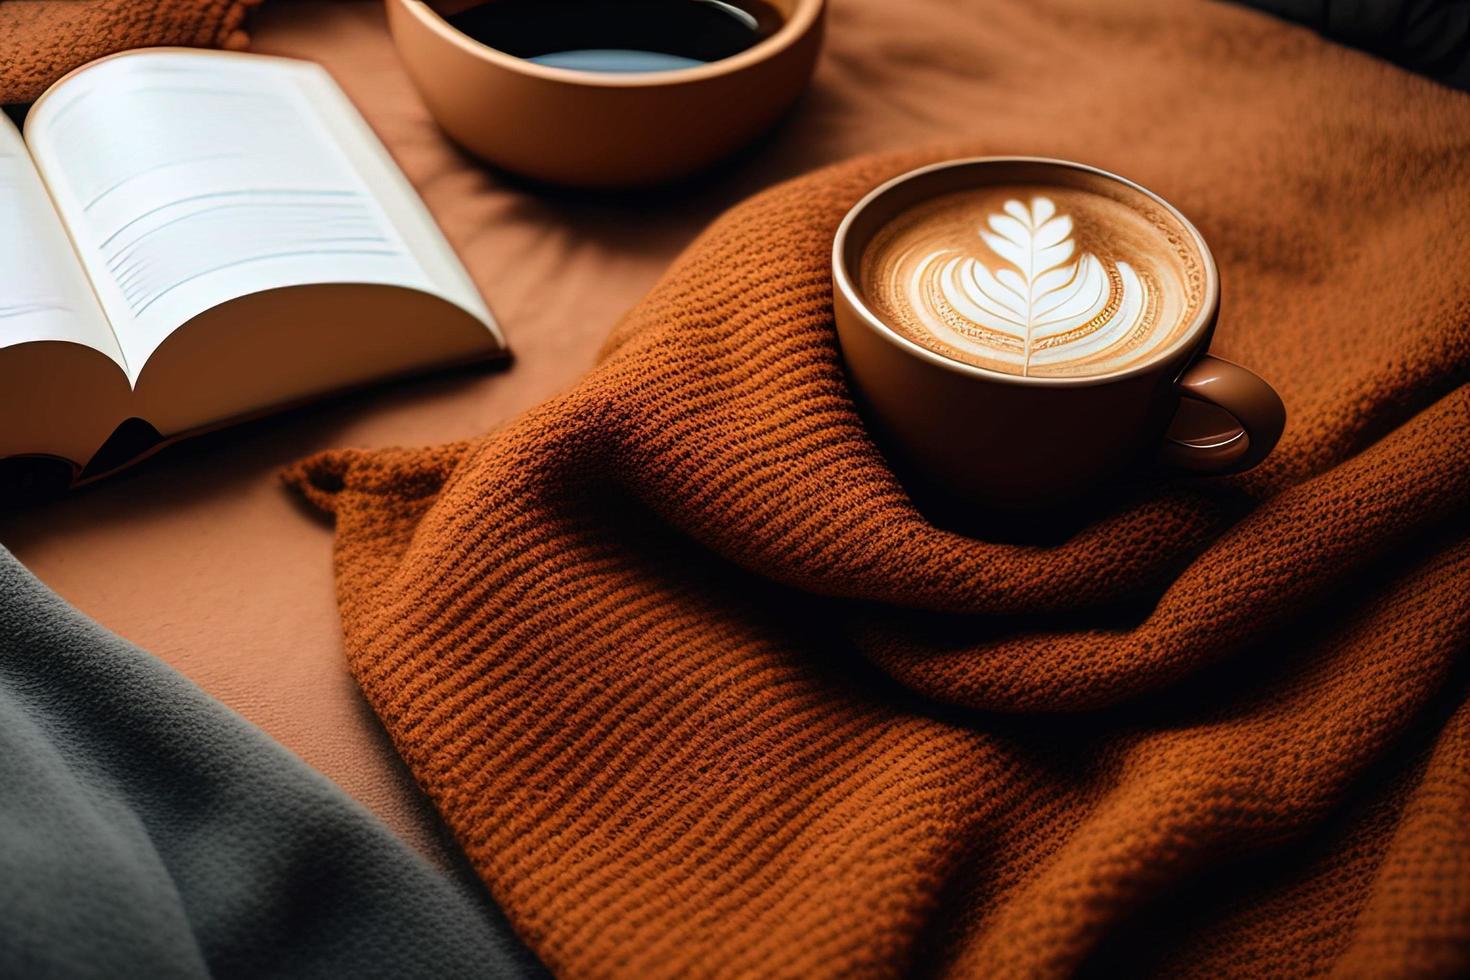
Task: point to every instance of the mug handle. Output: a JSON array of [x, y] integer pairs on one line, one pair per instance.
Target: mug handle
[[1253, 404]]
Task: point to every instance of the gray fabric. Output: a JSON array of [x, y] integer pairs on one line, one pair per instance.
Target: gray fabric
[[148, 831], [1431, 37]]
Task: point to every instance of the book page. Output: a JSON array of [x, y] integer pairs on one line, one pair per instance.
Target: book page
[[189, 179], [44, 294]]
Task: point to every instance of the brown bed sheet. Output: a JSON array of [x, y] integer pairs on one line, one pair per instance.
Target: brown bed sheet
[[202, 557]]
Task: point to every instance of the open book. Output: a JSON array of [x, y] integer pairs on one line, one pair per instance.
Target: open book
[[188, 238]]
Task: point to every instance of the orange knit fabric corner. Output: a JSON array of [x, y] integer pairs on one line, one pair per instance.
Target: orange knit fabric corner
[[41, 40], [700, 693]]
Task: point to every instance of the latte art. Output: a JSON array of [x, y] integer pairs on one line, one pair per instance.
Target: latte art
[[1052, 283], [1042, 308]]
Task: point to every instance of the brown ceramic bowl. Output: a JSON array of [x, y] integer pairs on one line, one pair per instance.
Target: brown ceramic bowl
[[602, 129]]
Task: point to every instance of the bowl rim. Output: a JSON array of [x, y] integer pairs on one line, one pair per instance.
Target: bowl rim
[[805, 15]]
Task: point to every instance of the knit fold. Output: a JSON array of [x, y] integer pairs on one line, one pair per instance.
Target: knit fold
[[702, 693], [42, 40]]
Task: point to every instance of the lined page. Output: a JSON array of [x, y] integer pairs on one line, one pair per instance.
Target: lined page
[[44, 295], [189, 180]]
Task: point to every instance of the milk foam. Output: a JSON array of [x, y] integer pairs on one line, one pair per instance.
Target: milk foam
[[1035, 281]]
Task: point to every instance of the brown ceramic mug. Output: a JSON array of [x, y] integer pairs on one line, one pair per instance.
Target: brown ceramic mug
[[1021, 331]]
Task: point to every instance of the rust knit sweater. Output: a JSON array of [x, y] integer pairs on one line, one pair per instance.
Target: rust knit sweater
[[41, 40], [701, 694]]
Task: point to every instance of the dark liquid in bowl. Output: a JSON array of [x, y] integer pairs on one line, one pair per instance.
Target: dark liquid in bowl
[[620, 35]]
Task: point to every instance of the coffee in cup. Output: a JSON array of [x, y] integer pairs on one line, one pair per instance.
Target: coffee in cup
[[1036, 279], [1022, 330], [619, 35]]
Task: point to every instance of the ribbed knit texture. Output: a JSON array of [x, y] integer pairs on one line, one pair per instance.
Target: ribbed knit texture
[[701, 694], [41, 40]]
